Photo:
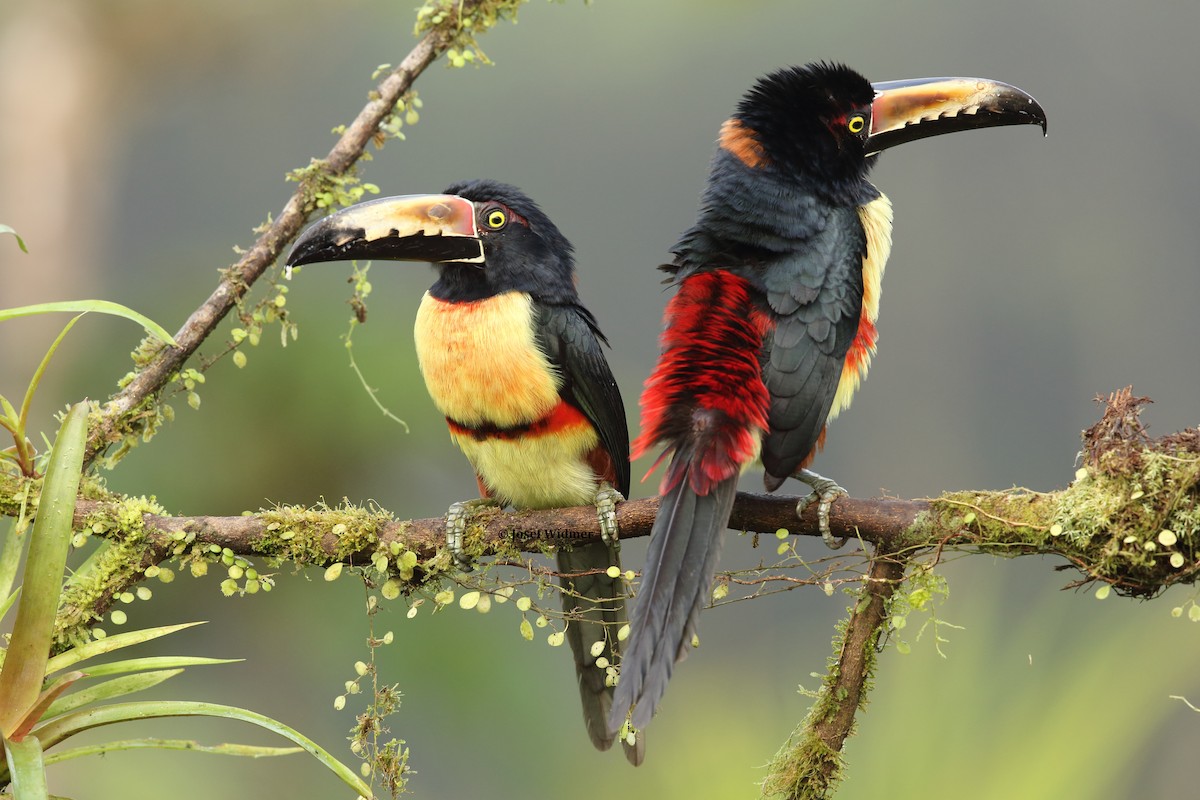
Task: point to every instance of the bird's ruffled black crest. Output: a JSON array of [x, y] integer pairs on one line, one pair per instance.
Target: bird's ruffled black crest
[[792, 113], [815, 89]]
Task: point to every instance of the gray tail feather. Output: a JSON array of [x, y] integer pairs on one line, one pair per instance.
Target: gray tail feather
[[601, 603], [684, 545]]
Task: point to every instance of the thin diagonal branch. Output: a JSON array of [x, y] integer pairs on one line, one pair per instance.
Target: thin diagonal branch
[[114, 422]]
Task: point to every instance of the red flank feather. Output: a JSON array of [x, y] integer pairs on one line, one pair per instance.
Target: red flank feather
[[706, 399], [863, 346]]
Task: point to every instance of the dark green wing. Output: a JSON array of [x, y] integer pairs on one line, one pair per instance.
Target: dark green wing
[[571, 339], [815, 298]]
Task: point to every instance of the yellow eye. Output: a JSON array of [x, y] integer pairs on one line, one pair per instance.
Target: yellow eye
[[856, 123], [496, 219]]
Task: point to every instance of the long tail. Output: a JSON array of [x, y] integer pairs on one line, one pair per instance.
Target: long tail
[[680, 563], [601, 603], [707, 403]]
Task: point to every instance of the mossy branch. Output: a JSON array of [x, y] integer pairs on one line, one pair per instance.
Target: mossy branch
[[130, 413], [809, 765], [1130, 519]]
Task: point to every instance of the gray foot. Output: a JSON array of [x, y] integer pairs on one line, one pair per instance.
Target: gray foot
[[457, 518], [606, 511], [824, 491]]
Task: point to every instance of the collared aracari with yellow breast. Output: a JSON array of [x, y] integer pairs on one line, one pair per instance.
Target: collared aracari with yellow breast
[[513, 360], [772, 325]]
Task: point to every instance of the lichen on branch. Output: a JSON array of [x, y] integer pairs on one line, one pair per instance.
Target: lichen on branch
[[1129, 519], [132, 414]]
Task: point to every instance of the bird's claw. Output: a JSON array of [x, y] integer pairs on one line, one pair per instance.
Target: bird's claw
[[606, 512], [457, 517], [824, 491]]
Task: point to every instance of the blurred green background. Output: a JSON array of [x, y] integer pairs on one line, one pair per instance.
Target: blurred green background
[[140, 141]]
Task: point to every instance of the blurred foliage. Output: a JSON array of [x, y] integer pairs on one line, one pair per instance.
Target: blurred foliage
[[41, 708], [1026, 277], [20, 242]]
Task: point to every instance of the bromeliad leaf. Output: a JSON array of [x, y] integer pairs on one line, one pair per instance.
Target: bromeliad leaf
[[45, 700], [190, 745], [107, 690], [154, 662], [26, 768], [108, 644], [84, 306], [56, 730], [29, 648], [15, 235]]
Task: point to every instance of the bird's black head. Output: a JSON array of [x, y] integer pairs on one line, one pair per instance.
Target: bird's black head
[[485, 238], [802, 141], [808, 123], [523, 250], [821, 126]]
